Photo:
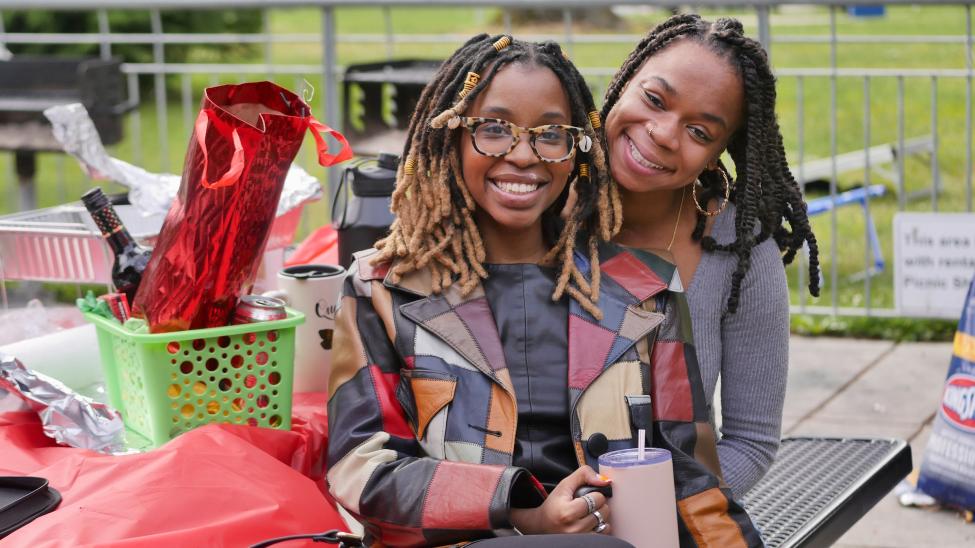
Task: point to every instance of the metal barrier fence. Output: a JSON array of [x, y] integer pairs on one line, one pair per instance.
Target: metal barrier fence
[[906, 105]]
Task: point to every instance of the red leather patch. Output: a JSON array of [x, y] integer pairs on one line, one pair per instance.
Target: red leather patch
[[460, 493], [635, 277], [589, 345], [368, 272], [392, 534], [394, 420], [670, 387]]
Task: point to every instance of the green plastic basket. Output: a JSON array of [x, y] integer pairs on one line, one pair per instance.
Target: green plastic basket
[[167, 383]]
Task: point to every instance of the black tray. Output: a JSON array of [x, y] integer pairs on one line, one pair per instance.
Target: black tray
[[22, 499]]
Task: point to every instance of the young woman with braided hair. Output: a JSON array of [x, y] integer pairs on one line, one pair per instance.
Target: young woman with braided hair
[[688, 92], [486, 351], [436, 227]]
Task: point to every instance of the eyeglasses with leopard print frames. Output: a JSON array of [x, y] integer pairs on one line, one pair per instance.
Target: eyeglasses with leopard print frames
[[496, 137]]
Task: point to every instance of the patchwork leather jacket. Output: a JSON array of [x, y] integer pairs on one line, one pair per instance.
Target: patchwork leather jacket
[[422, 414]]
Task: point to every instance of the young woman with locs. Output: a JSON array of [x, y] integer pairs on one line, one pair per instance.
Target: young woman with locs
[[485, 351], [690, 91]]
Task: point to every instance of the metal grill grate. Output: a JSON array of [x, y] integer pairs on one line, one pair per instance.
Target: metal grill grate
[[812, 478]]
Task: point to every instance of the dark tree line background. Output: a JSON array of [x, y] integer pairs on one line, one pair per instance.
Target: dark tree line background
[[194, 21], [131, 21], [602, 17]]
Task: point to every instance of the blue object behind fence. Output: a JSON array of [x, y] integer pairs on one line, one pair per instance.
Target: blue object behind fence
[[866, 11], [856, 196]]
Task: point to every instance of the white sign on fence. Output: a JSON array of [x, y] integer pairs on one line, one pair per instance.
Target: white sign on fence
[[934, 261]]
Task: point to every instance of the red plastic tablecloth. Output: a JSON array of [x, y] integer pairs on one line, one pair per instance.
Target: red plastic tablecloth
[[218, 485]]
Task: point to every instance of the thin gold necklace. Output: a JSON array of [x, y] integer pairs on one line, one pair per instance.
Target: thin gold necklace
[[677, 224]]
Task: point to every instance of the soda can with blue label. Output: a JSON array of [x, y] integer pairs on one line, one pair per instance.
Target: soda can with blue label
[[948, 468]]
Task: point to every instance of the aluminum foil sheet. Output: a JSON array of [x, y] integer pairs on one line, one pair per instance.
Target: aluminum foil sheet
[[151, 193], [67, 417]]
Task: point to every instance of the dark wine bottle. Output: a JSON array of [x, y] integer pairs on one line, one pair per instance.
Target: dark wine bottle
[[130, 257]]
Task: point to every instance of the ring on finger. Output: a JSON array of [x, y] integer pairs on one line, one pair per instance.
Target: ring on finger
[[590, 504], [600, 522]]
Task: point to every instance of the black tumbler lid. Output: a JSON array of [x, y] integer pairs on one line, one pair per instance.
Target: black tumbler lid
[[375, 179], [306, 271], [388, 161]]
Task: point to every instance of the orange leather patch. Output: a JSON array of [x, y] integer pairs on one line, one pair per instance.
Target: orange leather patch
[[707, 519], [501, 418], [431, 396], [580, 455]]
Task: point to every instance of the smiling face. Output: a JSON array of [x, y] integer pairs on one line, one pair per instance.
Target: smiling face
[[512, 191], [692, 100]]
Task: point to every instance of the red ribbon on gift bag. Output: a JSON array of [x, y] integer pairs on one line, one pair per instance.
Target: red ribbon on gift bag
[[213, 238]]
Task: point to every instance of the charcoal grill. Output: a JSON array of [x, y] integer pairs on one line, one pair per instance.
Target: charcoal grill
[[30, 84], [399, 82]]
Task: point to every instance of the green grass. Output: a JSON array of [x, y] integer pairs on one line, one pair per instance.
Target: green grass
[[790, 21], [892, 329]]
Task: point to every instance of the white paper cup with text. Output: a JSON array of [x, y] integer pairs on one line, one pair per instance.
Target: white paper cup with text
[[313, 290], [643, 506]]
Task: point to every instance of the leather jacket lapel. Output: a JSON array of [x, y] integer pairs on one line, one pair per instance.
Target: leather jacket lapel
[[594, 345], [467, 325]]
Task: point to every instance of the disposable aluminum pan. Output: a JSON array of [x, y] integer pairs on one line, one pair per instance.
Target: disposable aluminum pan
[[62, 243]]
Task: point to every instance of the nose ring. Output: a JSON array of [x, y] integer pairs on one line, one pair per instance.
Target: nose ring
[[650, 131]]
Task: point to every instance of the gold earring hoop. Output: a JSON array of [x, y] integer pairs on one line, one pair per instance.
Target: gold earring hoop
[[727, 193]]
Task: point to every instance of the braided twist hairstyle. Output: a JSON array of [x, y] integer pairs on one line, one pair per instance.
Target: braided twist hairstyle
[[768, 199], [434, 226]]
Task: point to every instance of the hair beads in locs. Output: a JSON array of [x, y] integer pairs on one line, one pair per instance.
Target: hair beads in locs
[[434, 225]]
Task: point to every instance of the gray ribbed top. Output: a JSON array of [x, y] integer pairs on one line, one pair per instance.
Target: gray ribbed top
[[749, 350]]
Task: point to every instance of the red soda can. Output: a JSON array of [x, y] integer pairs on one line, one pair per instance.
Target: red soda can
[[118, 303], [255, 308]]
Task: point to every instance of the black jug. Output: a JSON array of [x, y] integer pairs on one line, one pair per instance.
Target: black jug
[[365, 217]]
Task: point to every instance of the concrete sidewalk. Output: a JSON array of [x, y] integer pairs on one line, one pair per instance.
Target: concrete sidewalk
[[848, 387]]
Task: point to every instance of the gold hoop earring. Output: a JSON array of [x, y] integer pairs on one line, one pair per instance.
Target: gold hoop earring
[[727, 194]]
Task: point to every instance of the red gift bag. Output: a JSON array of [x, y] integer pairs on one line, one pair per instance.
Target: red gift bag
[[212, 240]]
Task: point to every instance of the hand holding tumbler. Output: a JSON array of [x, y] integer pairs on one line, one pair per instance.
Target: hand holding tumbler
[[643, 505]]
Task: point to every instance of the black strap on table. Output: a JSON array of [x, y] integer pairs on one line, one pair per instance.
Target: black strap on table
[[344, 540]]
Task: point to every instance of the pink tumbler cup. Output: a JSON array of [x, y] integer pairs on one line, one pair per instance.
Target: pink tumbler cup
[[643, 506]]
